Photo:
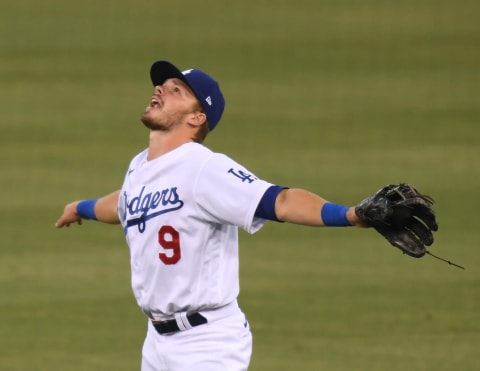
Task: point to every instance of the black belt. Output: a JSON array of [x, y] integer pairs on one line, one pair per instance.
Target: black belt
[[165, 327]]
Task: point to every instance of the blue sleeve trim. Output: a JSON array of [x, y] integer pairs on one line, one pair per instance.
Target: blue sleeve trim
[[266, 206]]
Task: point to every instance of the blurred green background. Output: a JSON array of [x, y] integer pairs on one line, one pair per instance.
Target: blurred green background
[[339, 97]]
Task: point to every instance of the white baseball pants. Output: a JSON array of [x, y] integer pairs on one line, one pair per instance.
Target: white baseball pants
[[223, 344]]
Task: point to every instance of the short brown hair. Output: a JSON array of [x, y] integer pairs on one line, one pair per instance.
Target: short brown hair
[[203, 130], [201, 133]]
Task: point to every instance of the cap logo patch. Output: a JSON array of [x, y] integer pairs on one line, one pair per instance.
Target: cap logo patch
[[186, 72], [209, 100]]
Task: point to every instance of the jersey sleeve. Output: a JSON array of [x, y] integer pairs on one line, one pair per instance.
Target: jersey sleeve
[[227, 193]]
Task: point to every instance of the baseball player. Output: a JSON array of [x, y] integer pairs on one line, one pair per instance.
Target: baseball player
[[180, 207]]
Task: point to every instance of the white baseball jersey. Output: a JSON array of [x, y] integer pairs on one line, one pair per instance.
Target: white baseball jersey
[[181, 213]]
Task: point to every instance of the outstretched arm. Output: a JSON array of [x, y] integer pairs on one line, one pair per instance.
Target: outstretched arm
[[104, 209], [302, 207]]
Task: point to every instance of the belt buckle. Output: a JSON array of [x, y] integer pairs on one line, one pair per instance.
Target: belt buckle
[[183, 321], [161, 322]]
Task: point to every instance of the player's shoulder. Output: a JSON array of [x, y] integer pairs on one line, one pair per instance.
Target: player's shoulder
[[201, 153], [212, 158], [140, 157], [198, 156], [198, 148]]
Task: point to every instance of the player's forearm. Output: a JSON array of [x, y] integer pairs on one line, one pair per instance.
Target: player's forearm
[[302, 207], [106, 208], [103, 209], [299, 207]]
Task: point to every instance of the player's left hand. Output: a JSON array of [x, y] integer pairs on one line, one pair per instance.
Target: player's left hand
[[403, 215]]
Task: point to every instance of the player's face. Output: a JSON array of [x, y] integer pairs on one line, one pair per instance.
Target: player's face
[[169, 106]]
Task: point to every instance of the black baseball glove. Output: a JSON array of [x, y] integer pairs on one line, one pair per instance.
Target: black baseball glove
[[401, 214]]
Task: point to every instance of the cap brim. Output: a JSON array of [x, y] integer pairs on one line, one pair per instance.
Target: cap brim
[[163, 70]]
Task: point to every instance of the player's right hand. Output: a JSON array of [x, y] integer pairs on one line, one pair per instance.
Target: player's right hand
[[69, 216]]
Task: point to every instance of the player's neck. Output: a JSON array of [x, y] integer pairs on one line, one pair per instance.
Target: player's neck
[[164, 142]]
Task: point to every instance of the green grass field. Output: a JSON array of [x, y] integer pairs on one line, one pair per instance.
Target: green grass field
[[339, 97]]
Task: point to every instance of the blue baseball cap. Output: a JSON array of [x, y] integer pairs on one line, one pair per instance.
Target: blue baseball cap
[[204, 87]]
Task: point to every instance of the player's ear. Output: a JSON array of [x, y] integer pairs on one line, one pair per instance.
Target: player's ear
[[198, 118]]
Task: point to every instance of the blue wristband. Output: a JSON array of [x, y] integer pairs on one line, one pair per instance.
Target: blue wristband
[[86, 209], [334, 215]]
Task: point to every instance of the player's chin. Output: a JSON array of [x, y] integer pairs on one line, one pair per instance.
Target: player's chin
[[150, 123], [147, 117]]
